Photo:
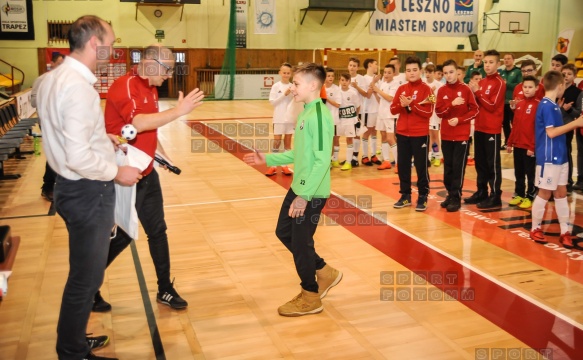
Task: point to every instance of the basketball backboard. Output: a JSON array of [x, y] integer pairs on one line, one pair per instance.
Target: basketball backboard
[[514, 22]]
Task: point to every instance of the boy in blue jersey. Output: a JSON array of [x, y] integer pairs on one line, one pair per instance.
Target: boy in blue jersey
[[552, 164], [303, 204]]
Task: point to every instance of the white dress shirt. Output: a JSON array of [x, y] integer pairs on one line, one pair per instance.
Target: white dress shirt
[[74, 138]]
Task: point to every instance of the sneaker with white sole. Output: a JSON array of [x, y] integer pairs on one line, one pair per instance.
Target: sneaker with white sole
[[171, 298], [305, 303], [327, 277]]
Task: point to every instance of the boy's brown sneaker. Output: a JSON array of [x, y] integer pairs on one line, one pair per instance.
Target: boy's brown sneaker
[[327, 277], [305, 303]]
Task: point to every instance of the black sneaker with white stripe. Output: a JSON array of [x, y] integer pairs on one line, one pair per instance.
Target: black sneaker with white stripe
[[96, 342], [171, 298]]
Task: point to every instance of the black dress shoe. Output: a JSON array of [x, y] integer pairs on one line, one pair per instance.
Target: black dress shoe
[[476, 197], [100, 305], [445, 202], [493, 201], [47, 195], [454, 205]]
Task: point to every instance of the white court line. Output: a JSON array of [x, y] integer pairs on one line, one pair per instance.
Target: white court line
[[463, 264], [469, 266], [224, 201]]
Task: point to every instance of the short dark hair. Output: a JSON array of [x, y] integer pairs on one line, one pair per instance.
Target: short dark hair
[[531, 78], [439, 67], [354, 59], [83, 29], [56, 55], [430, 68], [570, 67], [316, 70], [329, 70], [475, 73], [552, 79], [561, 58], [367, 62], [413, 60], [450, 62], [527, 62], [346, 76], [511, 54], [390, 66], [492, 53], [286, 64]]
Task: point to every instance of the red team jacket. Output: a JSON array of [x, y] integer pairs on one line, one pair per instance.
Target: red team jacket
[[490, 97], [416, 121], [522, 135], [465, 112], [519, 95]]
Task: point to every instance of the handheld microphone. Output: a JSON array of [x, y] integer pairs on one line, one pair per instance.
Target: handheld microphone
[[170, 167]]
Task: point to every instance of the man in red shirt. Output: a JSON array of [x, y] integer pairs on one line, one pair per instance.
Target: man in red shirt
[[489, 94], [413, 101], [133, 99], [457, 107]]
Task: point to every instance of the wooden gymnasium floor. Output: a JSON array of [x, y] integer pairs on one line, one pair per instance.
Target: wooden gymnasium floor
[[494, 291]]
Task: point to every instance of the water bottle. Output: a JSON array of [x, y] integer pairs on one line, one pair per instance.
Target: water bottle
[[434, 147], [36, 145]]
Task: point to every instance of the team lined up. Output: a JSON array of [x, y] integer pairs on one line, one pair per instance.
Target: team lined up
[[451, 109]]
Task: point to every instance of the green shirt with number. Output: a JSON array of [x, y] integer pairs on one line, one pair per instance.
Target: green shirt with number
[[311, 153]]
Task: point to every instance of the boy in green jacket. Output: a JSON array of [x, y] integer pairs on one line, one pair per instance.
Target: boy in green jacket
[[303, 204]]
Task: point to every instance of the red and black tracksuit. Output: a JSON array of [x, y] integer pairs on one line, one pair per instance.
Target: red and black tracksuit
[[455, 139], [522, 140], [413, 134], [490, 98]]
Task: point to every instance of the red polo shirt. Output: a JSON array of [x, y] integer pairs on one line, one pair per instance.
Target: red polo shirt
[[128, 96]]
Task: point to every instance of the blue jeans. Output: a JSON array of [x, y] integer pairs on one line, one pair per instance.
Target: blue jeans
[[87, 207]]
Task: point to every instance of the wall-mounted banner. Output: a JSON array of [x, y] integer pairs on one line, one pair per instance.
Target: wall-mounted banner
[[16, 21], [265, 17], [564, 41], [241, 24], [425, 18]]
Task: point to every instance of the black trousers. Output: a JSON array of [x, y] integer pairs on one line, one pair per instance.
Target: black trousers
[[569, 137], [415, 147], [150, 208], [454, 166], [87, 207], [579, 139], [488, 166], [507, 122], [49, 178], [524, 165], [297, 234]]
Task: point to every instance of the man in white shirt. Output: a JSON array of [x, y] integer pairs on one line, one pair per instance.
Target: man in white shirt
[[82, 154]]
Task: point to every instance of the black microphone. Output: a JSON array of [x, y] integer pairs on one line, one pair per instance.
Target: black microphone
[[170, 167]]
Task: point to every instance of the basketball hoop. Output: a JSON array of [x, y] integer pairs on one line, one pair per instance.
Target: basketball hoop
[[517, 31]]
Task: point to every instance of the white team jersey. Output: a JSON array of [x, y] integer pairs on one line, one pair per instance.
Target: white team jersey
[[400, 79], [359, 80], [280, 101], [293, 110], [350, 103], [333, 93], [369, 105], [435, 85], [389, 88]]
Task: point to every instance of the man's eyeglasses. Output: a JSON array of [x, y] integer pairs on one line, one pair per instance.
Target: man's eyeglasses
[[527, 70], [169, 69]]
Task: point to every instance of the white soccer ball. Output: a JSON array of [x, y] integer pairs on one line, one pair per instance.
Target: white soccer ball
[[129, 132]]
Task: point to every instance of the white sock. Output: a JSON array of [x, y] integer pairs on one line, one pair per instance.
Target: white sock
[[562, 209], [349, 149], [355, 148], [385, 151], [364, 147], [538, 211], [437, 155], [373, 144], [394, 151], [335, 153]]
